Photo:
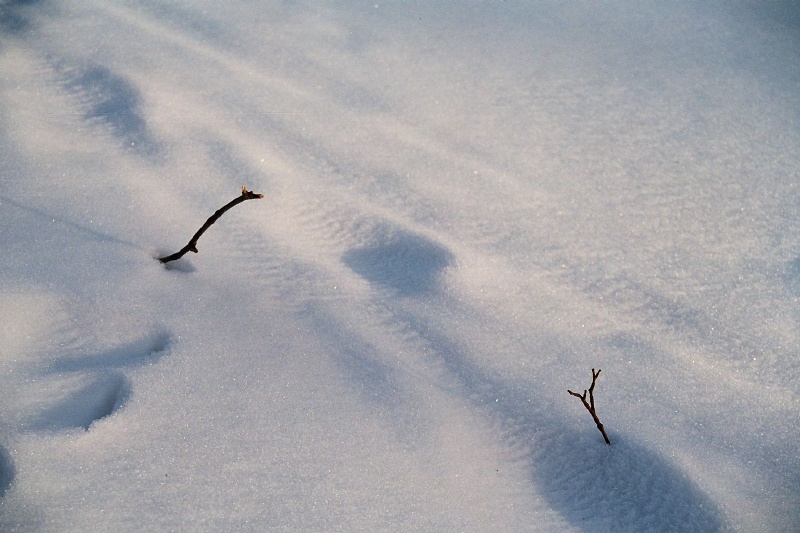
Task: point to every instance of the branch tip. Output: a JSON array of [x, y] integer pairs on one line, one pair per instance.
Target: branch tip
[[250, 194], [590, 404]]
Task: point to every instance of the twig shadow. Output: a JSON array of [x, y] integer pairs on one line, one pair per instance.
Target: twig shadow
[[182, 265]]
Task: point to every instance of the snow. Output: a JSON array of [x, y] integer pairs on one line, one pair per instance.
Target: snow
[[468, 206]]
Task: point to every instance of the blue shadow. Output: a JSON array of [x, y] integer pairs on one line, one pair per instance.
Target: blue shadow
[[625, 487], [7, 471], [114, 101], [84, 406], [12, 16], [144, 351], [407, 263]]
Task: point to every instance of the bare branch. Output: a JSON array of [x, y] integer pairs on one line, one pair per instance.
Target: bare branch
[[590, 404], [192, 246]]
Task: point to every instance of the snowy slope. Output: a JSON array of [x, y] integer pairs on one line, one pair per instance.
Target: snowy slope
[[468, 206]]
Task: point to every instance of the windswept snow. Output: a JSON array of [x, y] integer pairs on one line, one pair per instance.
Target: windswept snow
[[468, 206]]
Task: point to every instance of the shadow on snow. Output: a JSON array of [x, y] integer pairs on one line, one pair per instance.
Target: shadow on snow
[[13, 19], [111, 100], [96, 400], [107, 389], [7, 472], [408, 263], [623, 487]]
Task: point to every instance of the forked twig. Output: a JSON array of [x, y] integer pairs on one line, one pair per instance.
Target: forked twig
[[590, 404], [192, 246]]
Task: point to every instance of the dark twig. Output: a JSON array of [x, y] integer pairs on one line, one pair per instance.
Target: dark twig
[[590, 404], [192, 246]]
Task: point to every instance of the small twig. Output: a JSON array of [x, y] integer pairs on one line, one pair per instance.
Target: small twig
[[590, 404], [192, 246]]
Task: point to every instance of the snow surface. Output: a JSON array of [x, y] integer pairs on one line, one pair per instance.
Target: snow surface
[[468, 206]]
